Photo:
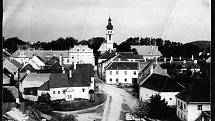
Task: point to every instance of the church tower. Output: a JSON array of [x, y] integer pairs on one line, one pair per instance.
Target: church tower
[[109, 35]]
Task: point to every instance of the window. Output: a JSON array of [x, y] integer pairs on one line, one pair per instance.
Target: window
[[181, 106], [117, 80], [110, 72], [184, 106], [135, 73], [125, 80], [178, 103], [117, 72], [109, 37], [110, 80], [146, 95], [125, 72], [199, 107], [53, 92], [83, 90], [82, 49], [69, 96], [170, 98], [67, 60], [72, 57], [58, 92], [77, 49]]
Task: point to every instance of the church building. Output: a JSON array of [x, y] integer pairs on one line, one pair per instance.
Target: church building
[[109, 38]]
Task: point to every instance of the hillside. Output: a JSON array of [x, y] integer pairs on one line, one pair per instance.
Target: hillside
[[201, 44]]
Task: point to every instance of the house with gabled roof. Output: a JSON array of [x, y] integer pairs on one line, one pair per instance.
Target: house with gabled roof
[[5, 54], [148, 52], [122, 72], [12, 67], [30, 84], [193, 100], [159, 82], [75, 84]]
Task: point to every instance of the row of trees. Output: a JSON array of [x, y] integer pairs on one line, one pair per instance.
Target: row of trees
[[166, 47]]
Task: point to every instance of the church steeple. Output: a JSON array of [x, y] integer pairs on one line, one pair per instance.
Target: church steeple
[[109, 35], [109, 26]]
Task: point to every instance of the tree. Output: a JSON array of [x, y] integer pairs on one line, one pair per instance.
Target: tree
[[158, 107], [154, 108], [141, 110], [134, 50], [124, 47], [96, 42], [44, 98]]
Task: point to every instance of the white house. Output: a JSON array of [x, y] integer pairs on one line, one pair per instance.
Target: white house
[[160, 83], [112, 56], [80, 54], [193, 100], [122, 72], [76, 84]]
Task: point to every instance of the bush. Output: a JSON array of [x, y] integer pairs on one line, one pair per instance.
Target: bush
[[78, 104]]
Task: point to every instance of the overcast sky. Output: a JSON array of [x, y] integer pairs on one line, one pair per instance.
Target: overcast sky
[[47, 20]]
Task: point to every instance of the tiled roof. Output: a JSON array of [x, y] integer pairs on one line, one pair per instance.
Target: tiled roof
[[123, 66], [10, 66], [130, 55], [16, 63], [147, 50], [107, 55], [13, 90], [55, 68], [42, 53], [198, 91], [35, 79], [44, 87], [161, 83], [116, 58], [5, 53], [57, 80], [27, 67], [206, 115], [81, 77]]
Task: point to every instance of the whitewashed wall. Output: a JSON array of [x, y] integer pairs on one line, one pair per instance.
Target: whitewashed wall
[[121, 76]]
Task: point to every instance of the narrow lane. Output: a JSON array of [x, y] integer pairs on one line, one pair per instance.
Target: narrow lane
[[118, 96]]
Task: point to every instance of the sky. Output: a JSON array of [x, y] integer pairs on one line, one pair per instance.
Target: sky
[[46, 20]]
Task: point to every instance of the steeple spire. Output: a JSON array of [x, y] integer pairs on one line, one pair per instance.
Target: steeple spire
[[109, 26]]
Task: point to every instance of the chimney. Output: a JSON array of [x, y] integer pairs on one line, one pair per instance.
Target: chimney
[[70, 73], [63, 69], [60, 59], [180, 58], [192, 57], [74, 65], [171, 58], [164, 59], [184, 61], [151, 69], [200, 53]]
